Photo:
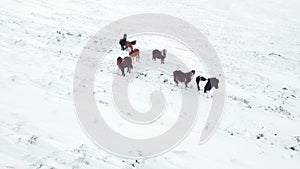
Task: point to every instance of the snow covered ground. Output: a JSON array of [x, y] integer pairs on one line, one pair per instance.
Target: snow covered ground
[[258, 43]]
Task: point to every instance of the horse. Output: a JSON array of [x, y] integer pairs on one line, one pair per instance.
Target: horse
[[129, 44], [211, 82], [124, 63], [135, 53], [156, 54], [180, 76]]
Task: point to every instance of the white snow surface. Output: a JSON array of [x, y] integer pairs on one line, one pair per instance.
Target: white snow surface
[[257, 41]]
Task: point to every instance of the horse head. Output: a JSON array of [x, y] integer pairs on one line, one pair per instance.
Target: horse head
[[119, 60]]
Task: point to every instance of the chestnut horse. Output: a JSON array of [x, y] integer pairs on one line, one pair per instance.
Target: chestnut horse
[[130, 44], [135, 53]]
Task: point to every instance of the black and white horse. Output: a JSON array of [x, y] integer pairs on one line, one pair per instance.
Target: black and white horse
[[211, 82]]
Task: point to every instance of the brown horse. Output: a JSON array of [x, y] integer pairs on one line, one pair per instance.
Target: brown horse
[[135, 53], [180, 76], [156, 54], [123, 63], [130, 44]]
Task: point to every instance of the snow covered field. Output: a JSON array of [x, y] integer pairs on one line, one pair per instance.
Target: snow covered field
[[258, 43]]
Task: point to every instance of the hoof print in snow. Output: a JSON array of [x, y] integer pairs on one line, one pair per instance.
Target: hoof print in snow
[[259, 136], [275, 54], [293, 148], [279, 110], [32, 140], [298, 139], [135, 163], [40, 166]]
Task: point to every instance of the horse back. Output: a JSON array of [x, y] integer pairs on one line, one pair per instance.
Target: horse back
[[179, 75], [156, 53], [127, 62]]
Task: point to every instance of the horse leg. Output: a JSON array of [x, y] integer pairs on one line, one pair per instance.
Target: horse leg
[[128, 69], [198, 78], [123, 74]]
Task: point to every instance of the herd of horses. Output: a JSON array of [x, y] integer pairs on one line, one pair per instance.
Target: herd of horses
[[178, 75]]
